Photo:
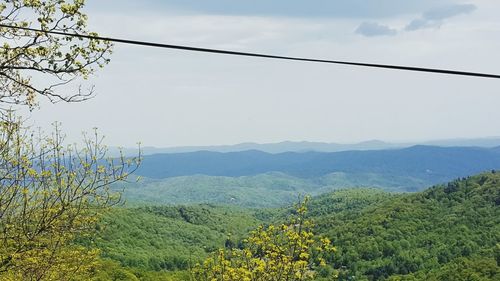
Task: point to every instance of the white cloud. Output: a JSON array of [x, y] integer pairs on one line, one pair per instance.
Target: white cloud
[[374, 29], [422, 23], [449, 11], [434, 18]]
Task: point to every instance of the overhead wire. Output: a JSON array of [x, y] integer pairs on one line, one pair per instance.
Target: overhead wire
[[260, 55]]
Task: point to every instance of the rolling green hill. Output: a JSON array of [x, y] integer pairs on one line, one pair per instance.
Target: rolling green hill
[[449, 229], [257, 179], [169, 238], [447, 232], [266, 190], [263, 190]]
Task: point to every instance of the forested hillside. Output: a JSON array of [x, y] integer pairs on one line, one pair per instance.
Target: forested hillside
[[430, 163], [448, 232], [263, 190], [259, 179], [171, 238]]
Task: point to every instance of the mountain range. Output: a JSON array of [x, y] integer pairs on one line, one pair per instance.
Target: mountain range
[[260, 179], [438, 164], [305, 146]]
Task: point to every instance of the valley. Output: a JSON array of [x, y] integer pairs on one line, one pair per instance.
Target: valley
[[446, 230]]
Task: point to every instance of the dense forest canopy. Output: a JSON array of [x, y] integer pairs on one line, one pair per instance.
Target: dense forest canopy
[[447, 232]]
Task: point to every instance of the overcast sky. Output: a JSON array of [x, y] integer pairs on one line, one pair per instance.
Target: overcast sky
[[174, 98]]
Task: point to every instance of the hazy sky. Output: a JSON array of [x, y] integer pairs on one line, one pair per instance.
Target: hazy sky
[[172, 98]]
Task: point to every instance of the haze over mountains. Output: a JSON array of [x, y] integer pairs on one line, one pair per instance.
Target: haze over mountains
[[255, 178], [427, 162], [306, 146]]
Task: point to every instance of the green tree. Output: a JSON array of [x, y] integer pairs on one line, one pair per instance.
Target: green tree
[[54, 60], [289, 252], [51, 194]]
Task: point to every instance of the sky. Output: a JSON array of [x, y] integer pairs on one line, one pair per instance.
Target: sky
[[169, 98]]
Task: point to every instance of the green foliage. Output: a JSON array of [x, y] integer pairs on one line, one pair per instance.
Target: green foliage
[[171, 238], [50, 194], [413, 234], [286, 252], [259, 191], [475, 268], [109, 270], [55, 60], [266, 190], [448, 232]]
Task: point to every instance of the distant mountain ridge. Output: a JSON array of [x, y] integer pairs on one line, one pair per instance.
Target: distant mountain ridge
[[430, 163], [305, 146], [279, 147]]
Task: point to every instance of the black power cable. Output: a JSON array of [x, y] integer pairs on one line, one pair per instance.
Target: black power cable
[[235, 53]]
